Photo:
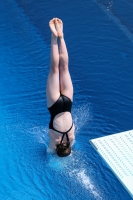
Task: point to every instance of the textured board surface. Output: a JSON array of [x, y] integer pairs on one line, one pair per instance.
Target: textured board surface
[[117, 151]]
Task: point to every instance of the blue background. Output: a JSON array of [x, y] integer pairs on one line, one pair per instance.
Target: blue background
[[99, 37]]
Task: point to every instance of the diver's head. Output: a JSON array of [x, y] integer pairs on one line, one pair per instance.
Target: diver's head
[[63, 149]]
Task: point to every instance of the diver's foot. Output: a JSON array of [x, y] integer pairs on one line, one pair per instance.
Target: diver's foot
[[59, 27], [52, 27]]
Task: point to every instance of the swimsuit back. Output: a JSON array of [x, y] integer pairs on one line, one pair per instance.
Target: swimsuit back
[[63, 104]]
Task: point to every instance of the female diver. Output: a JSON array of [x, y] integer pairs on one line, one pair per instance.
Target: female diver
[[59, 93]]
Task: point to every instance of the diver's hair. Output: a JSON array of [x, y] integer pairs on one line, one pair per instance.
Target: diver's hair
[[63, 149]]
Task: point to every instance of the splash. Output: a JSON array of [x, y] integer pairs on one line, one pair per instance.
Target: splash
[[40, 133], [81, 116]]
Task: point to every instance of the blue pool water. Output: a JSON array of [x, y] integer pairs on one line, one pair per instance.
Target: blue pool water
[[99, 37]]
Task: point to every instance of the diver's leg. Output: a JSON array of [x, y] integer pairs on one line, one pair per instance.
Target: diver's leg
[[66, 86], [53, 86], [65, 78]]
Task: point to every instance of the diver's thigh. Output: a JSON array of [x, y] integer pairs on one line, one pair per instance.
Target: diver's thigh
[[66, 85], [52, 88]]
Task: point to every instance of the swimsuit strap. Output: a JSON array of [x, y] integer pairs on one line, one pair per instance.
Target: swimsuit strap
[[63, 137], [64, 133]]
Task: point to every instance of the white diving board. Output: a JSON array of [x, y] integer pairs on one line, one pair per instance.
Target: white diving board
[[117, 151]]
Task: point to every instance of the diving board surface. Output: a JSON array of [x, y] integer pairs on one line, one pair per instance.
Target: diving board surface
[[117, 151]]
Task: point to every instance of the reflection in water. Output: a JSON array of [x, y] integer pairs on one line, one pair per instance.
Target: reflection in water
[[107, 7], [107, 3], [85, 181]]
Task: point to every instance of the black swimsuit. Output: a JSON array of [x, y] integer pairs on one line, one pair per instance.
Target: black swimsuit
[[63, 104]]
